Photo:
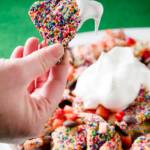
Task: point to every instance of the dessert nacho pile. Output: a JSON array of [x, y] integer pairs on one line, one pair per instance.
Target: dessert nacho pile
[[72, 127]]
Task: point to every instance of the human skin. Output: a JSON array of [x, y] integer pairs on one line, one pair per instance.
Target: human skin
[[31, 86]]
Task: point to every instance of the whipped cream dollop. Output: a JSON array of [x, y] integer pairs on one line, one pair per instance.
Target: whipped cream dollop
[[113, 81], [90, 9]]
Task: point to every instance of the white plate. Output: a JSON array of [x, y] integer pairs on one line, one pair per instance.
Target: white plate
[[5, 147], [90, 37]]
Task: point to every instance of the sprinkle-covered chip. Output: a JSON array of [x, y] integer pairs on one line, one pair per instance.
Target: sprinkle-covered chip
[[56, 20], [142, 143]]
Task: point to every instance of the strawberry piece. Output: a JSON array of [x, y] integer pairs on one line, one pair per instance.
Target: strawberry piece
[[130, 41], [59, 113], [68, 109], [57, 123], [127, 141], [142, 92], [140, 99], [103, 112], [71, 73], [70, 77], [146, 54], [71, 117], [93, 111], [119, 116]]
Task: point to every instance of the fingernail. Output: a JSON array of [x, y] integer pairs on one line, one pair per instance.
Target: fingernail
[[57, 50]]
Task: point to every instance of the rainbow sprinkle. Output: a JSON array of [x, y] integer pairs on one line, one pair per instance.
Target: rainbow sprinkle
[[57, 21], [142, 143]]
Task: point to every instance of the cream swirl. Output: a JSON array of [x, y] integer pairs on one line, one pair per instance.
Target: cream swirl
[[113, 81]]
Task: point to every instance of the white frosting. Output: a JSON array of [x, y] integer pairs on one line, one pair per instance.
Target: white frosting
[[113, 81], [90, 9]]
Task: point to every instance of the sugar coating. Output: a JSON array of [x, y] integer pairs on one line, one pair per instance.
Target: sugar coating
[[142, 143], [86, 135], [56, 20]]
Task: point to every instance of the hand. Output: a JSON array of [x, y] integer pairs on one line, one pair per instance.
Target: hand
[[31, 86]]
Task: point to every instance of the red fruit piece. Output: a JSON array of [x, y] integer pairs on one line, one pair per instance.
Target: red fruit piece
[[146, 54], [130, 41], [70, 77], [140, 99], [93, 111], [71, 73], [71, 117], [68, 109], [119, 116], [57, 123], [103, 112], [127, 141], [142, 92], [59, 113]]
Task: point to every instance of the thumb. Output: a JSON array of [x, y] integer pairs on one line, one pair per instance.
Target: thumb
[[40, 61]]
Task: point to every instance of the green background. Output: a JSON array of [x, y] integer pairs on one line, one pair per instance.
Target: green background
[[16, 27]]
